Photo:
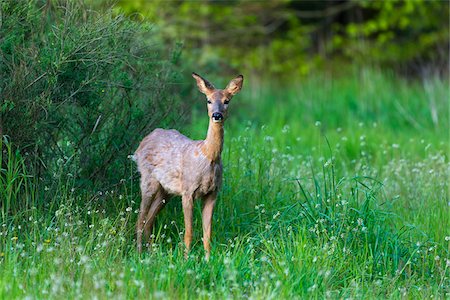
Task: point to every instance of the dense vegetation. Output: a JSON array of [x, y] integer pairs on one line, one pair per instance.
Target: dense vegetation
[[79, 88], [335, 184], [296, 38]]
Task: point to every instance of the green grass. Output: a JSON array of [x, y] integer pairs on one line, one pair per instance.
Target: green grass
[[333, 187]]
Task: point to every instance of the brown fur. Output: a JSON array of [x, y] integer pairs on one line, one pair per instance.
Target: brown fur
[[172, 164]]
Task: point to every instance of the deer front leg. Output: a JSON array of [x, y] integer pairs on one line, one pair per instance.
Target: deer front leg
[[188, 204], [207, 214]]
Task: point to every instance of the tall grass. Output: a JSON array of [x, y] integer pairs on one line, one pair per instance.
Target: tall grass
[[306, 210], [15, 185]]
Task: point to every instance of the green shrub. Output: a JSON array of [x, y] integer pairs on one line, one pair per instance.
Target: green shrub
[[79, 88]]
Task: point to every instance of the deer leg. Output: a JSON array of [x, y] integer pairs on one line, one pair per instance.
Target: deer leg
[[148, 191], [207, 214], [156, 206], [188, 204]]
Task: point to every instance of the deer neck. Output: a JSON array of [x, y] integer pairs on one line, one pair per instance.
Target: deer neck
[[213, 144]]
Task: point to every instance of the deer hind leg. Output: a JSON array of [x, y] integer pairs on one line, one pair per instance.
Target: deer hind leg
[[158, 203], [149, 188]]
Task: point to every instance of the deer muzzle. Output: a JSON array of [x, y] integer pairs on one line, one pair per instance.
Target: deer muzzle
[[217, 117]]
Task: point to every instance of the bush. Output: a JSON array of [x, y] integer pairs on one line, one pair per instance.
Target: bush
[[79, 89]]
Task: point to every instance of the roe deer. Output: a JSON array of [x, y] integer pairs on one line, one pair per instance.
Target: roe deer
[[172, 164]]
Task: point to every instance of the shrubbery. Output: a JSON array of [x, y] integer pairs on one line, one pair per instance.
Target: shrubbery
[[292, 39], [78, 88]]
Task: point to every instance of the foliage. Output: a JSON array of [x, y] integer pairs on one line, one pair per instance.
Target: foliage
[[292, 38], [413, 32], [78, 88]]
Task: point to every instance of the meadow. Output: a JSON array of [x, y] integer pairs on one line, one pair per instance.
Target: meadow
[[334, 187]]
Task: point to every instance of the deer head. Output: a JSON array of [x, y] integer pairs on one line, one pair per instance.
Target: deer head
[[218, 100]]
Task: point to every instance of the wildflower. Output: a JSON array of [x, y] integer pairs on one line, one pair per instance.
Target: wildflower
[[129, 209], [159, 295], [83, 259], [312, 288], [276, 215]]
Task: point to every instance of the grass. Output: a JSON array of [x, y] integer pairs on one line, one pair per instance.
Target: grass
[[335, 187]]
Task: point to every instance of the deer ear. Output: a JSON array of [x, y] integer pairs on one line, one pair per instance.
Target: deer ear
[[235, 85], [203, 85]]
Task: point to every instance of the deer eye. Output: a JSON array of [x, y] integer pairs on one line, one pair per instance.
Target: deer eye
[[209, 102], [227, 101]]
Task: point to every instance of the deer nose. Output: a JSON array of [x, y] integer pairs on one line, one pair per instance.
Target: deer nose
[[217, 117]]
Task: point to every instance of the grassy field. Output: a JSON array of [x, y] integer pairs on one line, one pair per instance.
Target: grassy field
[[333, 187]]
